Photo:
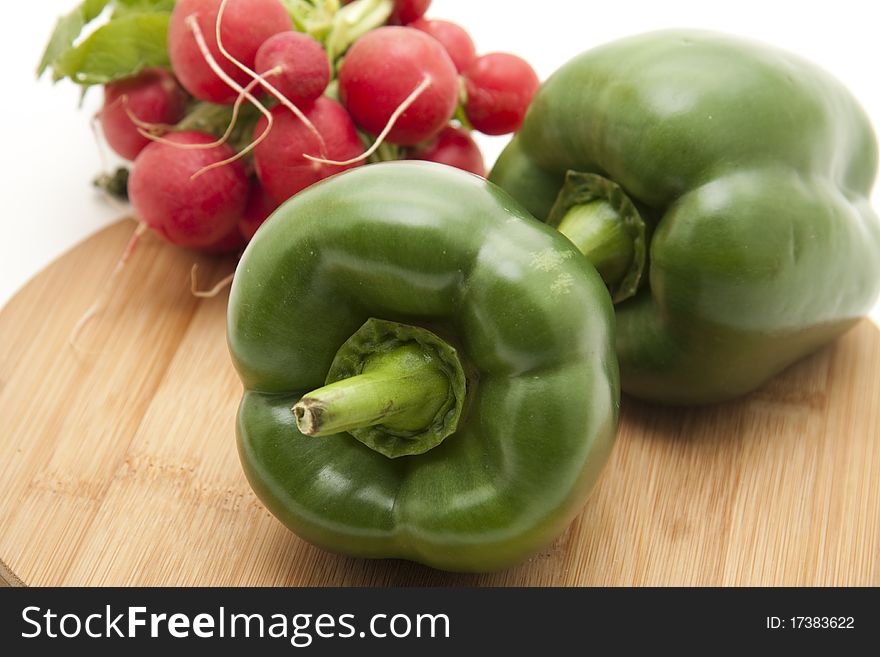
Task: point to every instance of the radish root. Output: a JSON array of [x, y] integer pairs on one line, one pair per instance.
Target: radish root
[[101, 301], [284, 100], [409, 100], [214, 291], [236, 109], [102, 154], [193, 25], [141, 125], [105, 165]]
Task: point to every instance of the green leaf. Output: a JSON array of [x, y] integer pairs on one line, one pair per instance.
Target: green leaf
[[118, 49], [128, 7], [67, 29]]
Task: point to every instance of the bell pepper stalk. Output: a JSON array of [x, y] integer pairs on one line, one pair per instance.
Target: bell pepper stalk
[[751, 170], [601, 220], [428, 372], [398, 389]]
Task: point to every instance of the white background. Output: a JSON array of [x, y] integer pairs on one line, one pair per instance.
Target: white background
[[49, 155]]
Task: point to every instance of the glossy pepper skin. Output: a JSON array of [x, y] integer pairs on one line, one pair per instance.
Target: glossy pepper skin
[[429, 246], [752, 169]]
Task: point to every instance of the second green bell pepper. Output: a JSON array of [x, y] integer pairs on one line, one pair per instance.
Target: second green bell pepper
[[429, 373], [721, 188]]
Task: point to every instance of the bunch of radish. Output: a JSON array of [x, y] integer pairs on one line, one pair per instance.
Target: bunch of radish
[[258, 104]]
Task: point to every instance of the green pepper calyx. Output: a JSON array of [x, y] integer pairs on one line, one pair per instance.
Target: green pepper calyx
[[597, 216], [398, 389]]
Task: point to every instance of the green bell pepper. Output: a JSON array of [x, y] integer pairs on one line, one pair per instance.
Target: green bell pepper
[[429, 373], [721, 188]]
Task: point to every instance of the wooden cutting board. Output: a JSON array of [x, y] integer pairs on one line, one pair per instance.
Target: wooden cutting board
[[119, 464]]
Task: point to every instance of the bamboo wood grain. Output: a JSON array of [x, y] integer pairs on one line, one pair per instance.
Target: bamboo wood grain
[[119, 464]]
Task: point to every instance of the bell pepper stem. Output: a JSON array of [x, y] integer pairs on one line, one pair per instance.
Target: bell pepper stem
[[596, 214], [402, 390], [598, 231]]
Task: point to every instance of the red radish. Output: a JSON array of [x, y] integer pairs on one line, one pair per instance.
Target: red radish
[[304, 67], [406, 11], [455, 148], [195, 213], [259, 206], [383, 68], [452, 37], [246, 25], [499, 88], [279, 160], [152, 97]]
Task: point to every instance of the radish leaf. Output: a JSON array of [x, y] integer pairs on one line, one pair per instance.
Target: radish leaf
[[130, 37], [119, 49], [67, 29], [126, 7]]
